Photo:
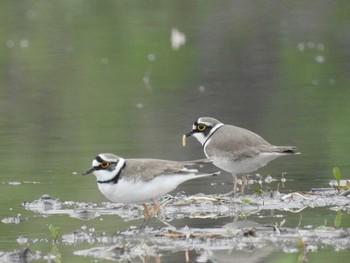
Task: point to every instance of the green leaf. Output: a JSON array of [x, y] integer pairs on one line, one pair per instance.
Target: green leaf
[[300, 243], [54, 231], [337, 176], [337, 220], [258, 191]]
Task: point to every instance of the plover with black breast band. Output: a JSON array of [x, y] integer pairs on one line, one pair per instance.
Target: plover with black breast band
[[137, 181], [234, 149]]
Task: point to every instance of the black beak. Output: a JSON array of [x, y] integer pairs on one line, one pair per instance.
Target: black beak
[[189, 133], [91, 170]]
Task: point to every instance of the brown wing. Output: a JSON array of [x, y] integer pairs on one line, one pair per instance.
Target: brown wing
[[237, 143], [147, 169]]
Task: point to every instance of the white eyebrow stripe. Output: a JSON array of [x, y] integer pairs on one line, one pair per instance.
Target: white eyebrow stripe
[[206, 123]]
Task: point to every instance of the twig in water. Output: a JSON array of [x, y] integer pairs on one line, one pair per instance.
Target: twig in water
[[294, 210], [292, 194]]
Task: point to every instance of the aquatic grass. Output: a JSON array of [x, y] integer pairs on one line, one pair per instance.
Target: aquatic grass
[[258, 191], [338, 218], [54, 232], [55, 252], [337, 175], [341, 184]]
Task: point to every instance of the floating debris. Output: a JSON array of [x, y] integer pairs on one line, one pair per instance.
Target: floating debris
[[334, 183], [241, 235], [24, 43], [177, 39], [15, 183], [22, 240], [320, 59], [12, 220], [22, 255], [43, 205], [249, 236], [46, 206], [195, 206]]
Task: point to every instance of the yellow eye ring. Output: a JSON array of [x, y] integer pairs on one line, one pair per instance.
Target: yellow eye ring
[[201, 127], [104, 164]]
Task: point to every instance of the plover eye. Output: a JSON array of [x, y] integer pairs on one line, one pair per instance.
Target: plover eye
[[201, 127], [104, 164]]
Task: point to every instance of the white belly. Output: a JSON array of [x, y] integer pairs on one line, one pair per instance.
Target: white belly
[[245, 166], [136, 192]]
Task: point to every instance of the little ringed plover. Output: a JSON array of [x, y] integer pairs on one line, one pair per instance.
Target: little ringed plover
[[137, 181], [234, 149]]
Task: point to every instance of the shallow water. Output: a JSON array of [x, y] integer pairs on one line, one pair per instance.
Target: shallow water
[[80, 78]]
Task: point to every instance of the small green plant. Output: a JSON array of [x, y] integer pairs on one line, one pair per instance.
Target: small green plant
[[337, 175], [300, 243], [54, 231], [258, 191], [337, 220]]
